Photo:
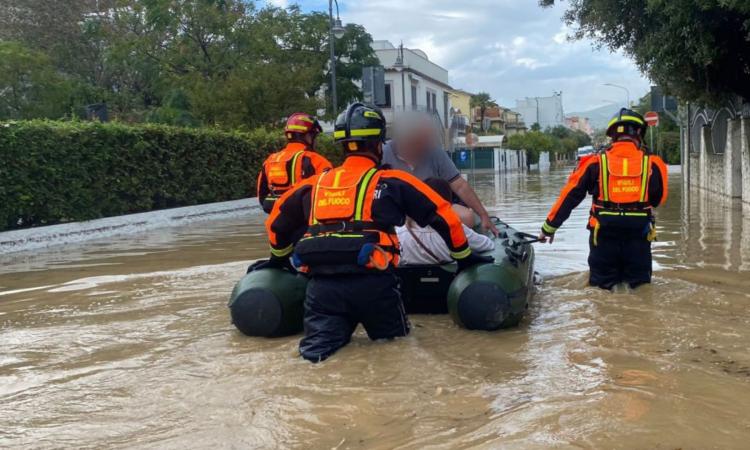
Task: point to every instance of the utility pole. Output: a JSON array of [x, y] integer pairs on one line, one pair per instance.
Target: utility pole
[[335, 31], [400, 67]]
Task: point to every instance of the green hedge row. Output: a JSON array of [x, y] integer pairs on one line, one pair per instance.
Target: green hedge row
[[53, 172]]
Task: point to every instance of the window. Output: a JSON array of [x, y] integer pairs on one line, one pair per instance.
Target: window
[[431, 101], [445, 109], [388, 93], [414, 96]]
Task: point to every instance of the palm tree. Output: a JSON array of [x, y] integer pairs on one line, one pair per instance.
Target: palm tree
[[483, 101]]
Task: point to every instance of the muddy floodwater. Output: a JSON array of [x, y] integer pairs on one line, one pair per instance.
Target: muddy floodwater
[[126, 342]]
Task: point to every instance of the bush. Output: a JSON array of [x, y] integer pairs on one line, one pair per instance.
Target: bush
[[56, 172]]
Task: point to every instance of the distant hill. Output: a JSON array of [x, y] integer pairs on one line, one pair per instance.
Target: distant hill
[[598, 117]]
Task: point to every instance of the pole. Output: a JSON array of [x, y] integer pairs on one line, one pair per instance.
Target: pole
[[403, 75], [403, 90], [686, 152], [333, 59], [653, 150]]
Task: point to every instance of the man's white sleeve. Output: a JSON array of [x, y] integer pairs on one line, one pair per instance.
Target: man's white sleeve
[[478, 242]]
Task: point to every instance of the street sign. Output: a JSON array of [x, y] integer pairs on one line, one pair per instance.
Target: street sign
[[662, 103], [373, 85], [652, 118]]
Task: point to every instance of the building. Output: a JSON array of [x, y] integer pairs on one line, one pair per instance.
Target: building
[[546, 111], [514, 122], [461, 103], [499, 120], [578, 123], [414, 83], [460, 117], [494, 122]]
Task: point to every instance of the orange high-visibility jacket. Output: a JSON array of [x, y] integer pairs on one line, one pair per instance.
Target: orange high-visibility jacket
[[343, 220], [284, 169], [624, 181]]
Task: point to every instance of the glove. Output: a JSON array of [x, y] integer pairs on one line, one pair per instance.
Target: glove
[[472, 260], [547, 233], [546, 237], [273, 263]]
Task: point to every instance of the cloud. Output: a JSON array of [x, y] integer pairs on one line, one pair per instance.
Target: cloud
[[509, 48]]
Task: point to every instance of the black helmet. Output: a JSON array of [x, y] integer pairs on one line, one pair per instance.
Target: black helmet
[[360, 123], [627, 123]]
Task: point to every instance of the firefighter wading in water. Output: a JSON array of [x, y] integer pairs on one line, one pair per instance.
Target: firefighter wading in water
[[340, 226], [293, 163], [626, 184]]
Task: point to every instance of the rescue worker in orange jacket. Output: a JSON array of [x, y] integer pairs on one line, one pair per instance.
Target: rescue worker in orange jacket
[[295, 162], [340, 225], [626, 183]]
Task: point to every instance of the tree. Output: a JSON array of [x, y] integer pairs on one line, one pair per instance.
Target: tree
[[482, 100], [580, 138], [666, 136], [225, 63], [353, 52], [696, 49], [175, 110], [29, 85], [57, 28], [535, 143]]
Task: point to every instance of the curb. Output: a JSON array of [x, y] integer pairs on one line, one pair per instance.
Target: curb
[[75, 232]]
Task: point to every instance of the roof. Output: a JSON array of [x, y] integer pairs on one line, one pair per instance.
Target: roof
[[422, 75], [461, 91]]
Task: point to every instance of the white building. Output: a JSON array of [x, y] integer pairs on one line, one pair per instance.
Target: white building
[[546, 111], [413, 83]]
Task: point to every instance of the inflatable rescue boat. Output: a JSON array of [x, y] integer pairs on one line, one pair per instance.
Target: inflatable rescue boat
[[488, 297]]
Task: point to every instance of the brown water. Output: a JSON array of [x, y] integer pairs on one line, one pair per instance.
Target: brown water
[[127, 343]]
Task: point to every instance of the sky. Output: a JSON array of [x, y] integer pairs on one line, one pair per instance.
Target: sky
[[509, 48]]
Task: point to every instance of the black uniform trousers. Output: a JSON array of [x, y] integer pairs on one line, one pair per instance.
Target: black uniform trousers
[[336, 304], [615, 260]]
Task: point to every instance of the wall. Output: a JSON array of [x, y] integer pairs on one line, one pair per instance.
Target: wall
[[485, 159], [543, 164], [726, 174], [462, 102], [510, 160]]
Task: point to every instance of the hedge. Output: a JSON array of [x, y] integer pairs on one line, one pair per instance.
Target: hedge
[[53, 172]]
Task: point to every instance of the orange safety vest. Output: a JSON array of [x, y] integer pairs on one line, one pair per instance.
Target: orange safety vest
[[342, 236], [624, 173], [283, 170]]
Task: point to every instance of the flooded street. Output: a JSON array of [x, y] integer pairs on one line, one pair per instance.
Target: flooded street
[[127, 343]]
